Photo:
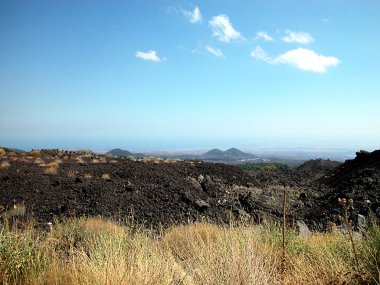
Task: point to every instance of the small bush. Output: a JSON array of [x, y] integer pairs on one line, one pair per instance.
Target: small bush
[[106, 177], [52, 168], [35, 153], [272, 166], [5, 165]]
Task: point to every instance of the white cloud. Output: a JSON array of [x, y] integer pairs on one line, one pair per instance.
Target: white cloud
[[264, 36], [150, 55], [297, 37], [223, 29], [215, 51], [301, 58], [194, 16], [261, 54], [306, 59]]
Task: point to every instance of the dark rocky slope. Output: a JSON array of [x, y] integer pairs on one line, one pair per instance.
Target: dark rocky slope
[[157, 191], [358, 179]]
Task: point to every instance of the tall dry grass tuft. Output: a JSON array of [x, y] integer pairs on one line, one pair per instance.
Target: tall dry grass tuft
[[21, 255], [2, 152], [319, 259], [104, 253], [213, 255], [283, 230], [346, 204], [369, 253]]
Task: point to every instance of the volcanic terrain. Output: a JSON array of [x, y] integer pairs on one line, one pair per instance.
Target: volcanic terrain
[[51, 184]]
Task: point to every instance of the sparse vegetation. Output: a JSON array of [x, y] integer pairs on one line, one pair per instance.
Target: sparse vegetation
[[369, 253], [35, 153], [263, 166], [87, 176], [5, 164], [96, 251], [80, 160], [15, 211], [52, 168], [106, 176], [39, 161], [72, 173]]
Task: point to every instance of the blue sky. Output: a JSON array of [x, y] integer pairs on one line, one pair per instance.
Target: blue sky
[[169, 74]]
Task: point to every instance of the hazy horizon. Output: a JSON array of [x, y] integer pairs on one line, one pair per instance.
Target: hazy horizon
[[168, 75], [264, 150]]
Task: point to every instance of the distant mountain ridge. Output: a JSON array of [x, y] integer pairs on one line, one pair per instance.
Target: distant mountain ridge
[[117, 152], [215, 154], [229, 154]]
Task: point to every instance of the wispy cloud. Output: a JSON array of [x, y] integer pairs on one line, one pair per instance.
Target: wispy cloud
[[264, 36], [300, 58], [261, 54], [297, 37], [150, 55], [194, 16], [215, 51], [223, 29]]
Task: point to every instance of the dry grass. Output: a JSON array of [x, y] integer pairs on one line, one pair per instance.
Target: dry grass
[[52, 168], [87, 176], [12, 154], [106, 177], [15, 211], [2, 152], [5, 165], [102, 160], [39, 161], [213, 255], [80, 161], [95, 251], [35, 153], [72, 173]]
